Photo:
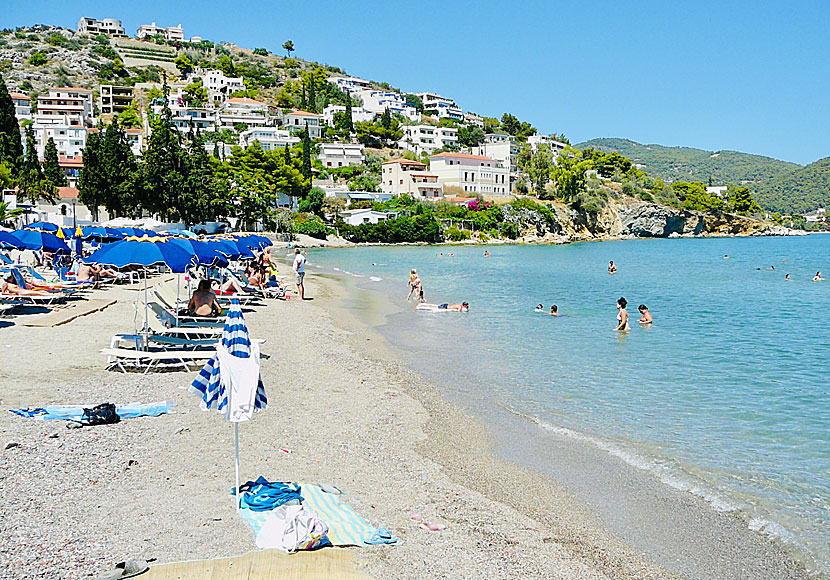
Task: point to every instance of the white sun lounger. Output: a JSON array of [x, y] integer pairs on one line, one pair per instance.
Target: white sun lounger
[[124, 358]]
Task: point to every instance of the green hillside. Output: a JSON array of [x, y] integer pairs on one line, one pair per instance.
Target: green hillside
[[799, 191], [689, 164]]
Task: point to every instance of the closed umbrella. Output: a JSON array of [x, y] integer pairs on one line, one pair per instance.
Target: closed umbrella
[[39, 240], [234, 390]]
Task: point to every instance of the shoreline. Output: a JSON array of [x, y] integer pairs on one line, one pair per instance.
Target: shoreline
[[733, 549], [77, 501]]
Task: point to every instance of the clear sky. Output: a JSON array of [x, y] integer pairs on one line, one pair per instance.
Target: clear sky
[[751, 76]]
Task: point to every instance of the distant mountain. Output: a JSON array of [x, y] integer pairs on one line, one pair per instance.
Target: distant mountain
[[689, 164], [799, 191]]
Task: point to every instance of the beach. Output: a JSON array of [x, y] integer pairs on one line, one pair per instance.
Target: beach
[[77, 501]]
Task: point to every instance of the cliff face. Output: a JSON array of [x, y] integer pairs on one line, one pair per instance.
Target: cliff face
[[633, 218]]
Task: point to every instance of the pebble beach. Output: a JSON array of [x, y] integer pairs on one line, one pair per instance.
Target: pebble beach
[[77, 501]]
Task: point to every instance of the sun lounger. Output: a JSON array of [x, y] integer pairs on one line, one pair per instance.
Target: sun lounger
[[170, 320], [157, 326], [124, 358], [170, 311]]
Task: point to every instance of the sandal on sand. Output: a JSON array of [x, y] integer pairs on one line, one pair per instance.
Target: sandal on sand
[[433, 527], [126, 569], [416, 517]]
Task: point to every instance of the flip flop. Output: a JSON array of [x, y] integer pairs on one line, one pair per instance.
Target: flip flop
[[127, 569], [416, 517]]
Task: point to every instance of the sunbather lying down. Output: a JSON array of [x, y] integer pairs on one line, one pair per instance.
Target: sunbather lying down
[[97, 273], [462, 307], [11, 289]]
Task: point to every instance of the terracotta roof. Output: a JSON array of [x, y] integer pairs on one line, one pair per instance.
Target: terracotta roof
[[403, 161], [71, 160], [76, 89], [67, 192], [132, 130], [304, 114], [462, 156], [244, 100], [20, 96]]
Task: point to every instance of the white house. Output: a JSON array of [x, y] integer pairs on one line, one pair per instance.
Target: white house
[[473, 120], [404, 176], [718, 190], [555, 146], [474, 174], [377, 101], [296, 121], [427, 138], [356, 217], [341, 154], [269, 138], [108, 26], [350, 85], [245, 111], [441, 107], [218, 86], [69, 139], [359, 114], [136, 140], [22, 106], [65, 105], [71, 165], [502, 148], [170, 33]]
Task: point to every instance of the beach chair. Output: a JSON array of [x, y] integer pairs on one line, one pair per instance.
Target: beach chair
[[161, 341], [170, 320], [168, 302], [158, 326], [125, 358]]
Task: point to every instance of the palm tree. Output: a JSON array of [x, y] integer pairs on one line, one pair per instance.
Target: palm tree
[[289, 47], [7, 214]]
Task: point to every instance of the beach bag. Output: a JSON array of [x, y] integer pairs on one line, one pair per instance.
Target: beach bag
[[103, 414]]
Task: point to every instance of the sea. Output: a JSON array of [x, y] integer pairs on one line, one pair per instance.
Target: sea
[[725, 396]]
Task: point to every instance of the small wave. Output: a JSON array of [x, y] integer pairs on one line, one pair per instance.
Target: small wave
[[336, 269], [375, 278]]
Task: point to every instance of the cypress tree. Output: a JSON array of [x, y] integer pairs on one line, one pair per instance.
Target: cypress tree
[[349, 121], [11, 146], [287, 155], [303, 102], [30, 183], [312, 95], [306, 170], [51, 168]]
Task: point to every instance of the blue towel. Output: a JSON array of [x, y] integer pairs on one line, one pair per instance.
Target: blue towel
[[263, 495], [76, 412]]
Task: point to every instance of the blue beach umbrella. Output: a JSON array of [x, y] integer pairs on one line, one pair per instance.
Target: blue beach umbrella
[[202, 252], [9, 240], [143, 252], [39, 240], [228, 248], [101, 233], [249, 239], [217, 388], [42, 227]]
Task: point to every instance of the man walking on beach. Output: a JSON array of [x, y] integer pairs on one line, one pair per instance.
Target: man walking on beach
[[299, 270]]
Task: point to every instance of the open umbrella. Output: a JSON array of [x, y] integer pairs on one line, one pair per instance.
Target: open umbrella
[[203, 253], [141, 252], [9, 240], [102, 233], [42, 227], [230, 382], [39, 240]]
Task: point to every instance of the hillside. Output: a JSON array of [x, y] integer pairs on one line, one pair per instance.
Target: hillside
[[689, 164], [800, 191]]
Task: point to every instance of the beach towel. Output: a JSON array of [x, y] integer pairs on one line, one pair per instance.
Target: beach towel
[[76, 412], [240, 378], [263, 495], [346, 527], [291, 528]]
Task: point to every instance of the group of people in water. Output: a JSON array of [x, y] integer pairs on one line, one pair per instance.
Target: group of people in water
[[416, 288]]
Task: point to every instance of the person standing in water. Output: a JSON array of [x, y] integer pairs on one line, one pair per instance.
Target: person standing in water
[[622, 315], [645, 315], [612, 267], [414, 283]]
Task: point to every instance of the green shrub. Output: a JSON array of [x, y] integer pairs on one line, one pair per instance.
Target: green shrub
[[311, 225], [457, 235], [510, 230], [56, 39], [38, 59]]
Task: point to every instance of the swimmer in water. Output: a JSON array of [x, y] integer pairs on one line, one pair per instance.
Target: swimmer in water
[[554, 311], [612, 267], [645, 315], [622, 315], [787, 277], [486, 254], [539, 308], [817, 277], [462, 307]]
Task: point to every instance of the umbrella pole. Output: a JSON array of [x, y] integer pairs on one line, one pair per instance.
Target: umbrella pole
[[146, 313], [236, 442]]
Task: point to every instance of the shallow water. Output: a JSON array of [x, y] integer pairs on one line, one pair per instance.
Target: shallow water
[[725, 396]]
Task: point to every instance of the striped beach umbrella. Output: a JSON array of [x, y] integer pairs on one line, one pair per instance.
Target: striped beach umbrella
[[217, 388]]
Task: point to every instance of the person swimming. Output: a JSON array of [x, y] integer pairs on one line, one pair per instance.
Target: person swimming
[[539, 308], [554, 310], [462, 307], [486, 254], [645, 315], [787, 277], [612, 267], [817, 277], [622, 315]]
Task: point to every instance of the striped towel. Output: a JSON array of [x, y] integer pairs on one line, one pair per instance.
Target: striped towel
[[346, 528]]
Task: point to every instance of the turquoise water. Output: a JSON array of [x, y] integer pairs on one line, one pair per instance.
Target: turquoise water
[[726, 395]]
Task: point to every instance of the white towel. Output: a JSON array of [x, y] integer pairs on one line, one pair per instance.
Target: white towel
[[240, 377], [290, 528]]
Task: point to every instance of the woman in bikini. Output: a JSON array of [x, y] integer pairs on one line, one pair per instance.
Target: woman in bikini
[[622, 315], [414, 284]]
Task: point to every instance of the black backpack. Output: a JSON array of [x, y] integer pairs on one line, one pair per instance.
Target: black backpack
[[102, 414]]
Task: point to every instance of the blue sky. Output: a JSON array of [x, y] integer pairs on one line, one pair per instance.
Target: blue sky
[[748, 76]]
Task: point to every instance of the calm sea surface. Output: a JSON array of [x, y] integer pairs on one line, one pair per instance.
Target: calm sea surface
[[726, 395]]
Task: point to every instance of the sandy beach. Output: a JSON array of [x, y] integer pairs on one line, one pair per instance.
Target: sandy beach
[[77, 501]]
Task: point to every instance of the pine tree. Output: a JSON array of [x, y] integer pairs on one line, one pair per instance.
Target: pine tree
[[349, 121], [31, 183], [51, 168], [110, 176], [306, 170], [386, 119], [164, 166], [11, 146]]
